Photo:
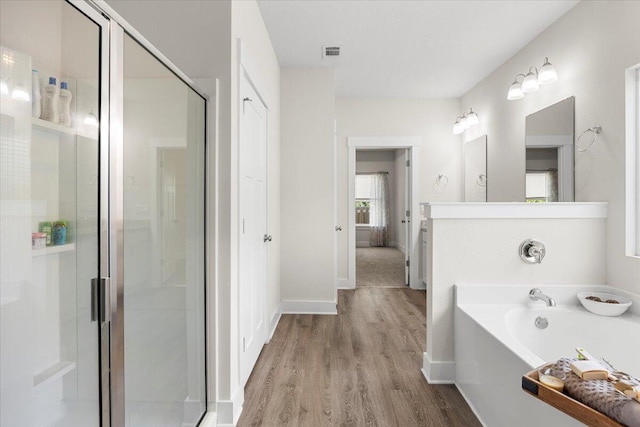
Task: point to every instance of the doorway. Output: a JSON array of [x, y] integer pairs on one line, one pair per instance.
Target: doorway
[[409, 147], [381, 221]]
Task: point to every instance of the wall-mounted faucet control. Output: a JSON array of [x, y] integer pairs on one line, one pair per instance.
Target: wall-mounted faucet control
[[532, 251]]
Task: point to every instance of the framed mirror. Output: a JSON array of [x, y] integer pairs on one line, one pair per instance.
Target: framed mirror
[[475, 170], [549, 141]]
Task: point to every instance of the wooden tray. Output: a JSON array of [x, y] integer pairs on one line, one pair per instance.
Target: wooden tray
[[564, 403]]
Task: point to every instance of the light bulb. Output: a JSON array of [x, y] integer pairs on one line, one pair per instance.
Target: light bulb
[[547, 73], [19, 93], [515, 91], [530, 83], [457, 127], [91, 119], [472, 118], [464, 123]]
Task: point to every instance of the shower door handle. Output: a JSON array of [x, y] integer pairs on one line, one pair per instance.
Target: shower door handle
[[100, 299]]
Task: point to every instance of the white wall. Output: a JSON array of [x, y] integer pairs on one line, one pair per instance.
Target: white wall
[[574, 44], [440, 152], [481, 251], [307, 184], [380, 161]]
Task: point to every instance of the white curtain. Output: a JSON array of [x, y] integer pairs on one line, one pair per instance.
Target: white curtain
[[379, 211]]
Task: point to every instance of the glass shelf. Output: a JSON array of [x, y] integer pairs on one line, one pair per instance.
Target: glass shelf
[[58, 128], [53, 249]]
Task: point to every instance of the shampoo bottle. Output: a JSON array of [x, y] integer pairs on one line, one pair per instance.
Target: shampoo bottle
[[50, 102], [36, 97], [65, 105]]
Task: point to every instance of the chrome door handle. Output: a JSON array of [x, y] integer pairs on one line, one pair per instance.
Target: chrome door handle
[[338, 228], [267, 238]]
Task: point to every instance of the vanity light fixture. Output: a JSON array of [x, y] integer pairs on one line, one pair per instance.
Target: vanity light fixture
[[466, 121], [532, 80], [515, 91]]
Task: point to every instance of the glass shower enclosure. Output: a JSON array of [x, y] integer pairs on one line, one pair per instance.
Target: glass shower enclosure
[[102, 163]]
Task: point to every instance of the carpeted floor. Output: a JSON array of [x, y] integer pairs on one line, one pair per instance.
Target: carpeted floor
[[380, 268]]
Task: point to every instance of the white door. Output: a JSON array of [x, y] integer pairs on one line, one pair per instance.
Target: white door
[[407, 215], [252, 273]]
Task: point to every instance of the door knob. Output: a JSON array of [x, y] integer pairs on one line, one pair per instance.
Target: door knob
[[338, 228], [267, 238]]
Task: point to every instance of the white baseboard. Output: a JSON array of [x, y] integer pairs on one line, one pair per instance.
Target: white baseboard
[[308, 307], [362, 244], [438, 372], [228, 411], [345, 284], [273, 324]]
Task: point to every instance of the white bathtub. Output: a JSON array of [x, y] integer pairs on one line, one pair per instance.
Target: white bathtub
[[496, 342]]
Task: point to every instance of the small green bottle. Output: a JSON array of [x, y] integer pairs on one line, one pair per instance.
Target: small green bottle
[[45, 227]]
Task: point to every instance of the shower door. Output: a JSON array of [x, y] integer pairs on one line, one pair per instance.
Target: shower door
[[102, 313], [162, 193], [49, 191]]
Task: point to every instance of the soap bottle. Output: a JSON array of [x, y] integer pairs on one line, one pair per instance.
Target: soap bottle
[[50, 102], [36, 97], [65, 105]]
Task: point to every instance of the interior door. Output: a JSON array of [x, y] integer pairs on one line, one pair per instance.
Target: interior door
[[253, 226], [49, 328], [407, 215]]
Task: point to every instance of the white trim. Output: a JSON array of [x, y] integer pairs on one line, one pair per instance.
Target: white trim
[[228, 411], [438, 372], [632, 205], [345, 284], [273, 324], [384, 141], [457, 210], [308, 307], [413, 144]]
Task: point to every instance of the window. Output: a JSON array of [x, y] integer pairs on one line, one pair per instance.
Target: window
[[633, 160], [363, 199]]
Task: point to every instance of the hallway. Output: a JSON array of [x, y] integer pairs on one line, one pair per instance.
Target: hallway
[[361, 367]]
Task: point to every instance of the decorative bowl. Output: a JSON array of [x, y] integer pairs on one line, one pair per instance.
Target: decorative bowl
[[589, 300]]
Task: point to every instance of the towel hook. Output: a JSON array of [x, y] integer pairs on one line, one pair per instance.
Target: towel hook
[[595, 130]]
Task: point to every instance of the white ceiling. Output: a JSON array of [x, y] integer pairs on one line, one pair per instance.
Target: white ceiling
[[406, 49]]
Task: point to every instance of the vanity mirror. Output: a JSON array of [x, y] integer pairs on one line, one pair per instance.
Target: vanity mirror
[[475, 170], [549, 137]]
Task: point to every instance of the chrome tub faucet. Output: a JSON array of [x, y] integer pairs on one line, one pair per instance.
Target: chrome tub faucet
[[536, 294]]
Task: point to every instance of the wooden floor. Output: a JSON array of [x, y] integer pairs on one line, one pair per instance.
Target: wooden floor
[[359, 368]]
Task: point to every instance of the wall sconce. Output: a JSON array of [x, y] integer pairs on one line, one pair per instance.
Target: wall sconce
[[532, 80], [466, 121]]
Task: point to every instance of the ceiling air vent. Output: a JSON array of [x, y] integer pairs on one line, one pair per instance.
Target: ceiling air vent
[[330, 51]]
